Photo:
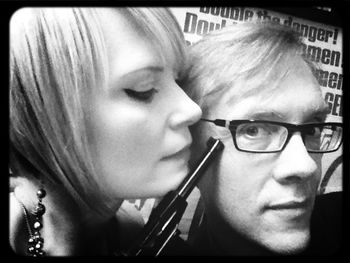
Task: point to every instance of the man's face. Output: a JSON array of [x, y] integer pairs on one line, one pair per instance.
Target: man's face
[[268, 197]]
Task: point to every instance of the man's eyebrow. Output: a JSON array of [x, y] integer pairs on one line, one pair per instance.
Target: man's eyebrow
[[265, 115], [320, 114]]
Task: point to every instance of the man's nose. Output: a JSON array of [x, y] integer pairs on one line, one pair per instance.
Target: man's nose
[[295, 163]]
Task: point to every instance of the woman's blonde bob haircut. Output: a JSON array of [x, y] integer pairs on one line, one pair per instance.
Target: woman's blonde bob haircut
[[57, 57]]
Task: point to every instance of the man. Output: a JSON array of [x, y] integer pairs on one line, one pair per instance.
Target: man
[[259, 96]]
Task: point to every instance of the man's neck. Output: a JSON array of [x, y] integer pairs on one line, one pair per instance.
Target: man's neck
[[220, 239]]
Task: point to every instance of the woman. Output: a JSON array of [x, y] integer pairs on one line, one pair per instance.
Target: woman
[[96, 116]]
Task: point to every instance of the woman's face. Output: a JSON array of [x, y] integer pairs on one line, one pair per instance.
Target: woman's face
[[140, 136]]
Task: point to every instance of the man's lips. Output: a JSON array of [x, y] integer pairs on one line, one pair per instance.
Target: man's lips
[[291, 210], [292, 204]]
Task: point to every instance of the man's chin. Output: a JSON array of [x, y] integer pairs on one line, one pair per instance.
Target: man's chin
[[288, 243]]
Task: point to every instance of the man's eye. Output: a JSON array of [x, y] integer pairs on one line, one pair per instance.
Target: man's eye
[[253, 130], [256, 131], [144, 96], [313, 131]]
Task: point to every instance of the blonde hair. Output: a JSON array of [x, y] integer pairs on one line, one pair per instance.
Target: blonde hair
[[164, 31], [57, 57], [245, 50]]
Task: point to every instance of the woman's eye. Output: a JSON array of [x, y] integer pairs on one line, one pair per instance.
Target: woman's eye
[[144, 96], [179, 82]]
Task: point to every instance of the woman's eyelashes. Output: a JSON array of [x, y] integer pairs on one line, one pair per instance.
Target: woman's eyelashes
[[143, 96], [179, 79], [178, 82]]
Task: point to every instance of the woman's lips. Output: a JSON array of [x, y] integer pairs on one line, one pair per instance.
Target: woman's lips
[[183, 152]]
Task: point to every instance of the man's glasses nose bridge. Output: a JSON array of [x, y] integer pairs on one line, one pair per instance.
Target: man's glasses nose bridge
[[293, 128]]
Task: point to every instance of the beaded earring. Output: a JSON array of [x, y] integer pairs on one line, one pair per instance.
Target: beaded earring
[[35, 241]]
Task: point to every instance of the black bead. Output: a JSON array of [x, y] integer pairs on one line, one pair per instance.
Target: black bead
[[39, 210], [41, 193], [39, 239]]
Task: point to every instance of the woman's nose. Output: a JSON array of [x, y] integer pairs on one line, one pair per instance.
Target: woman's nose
[[295, 162], [186, 112]]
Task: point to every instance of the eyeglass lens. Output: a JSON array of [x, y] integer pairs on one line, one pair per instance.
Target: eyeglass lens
[[330, 138], [263, 137]]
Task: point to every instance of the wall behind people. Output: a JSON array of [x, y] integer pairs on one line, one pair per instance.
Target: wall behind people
[[323, 44]]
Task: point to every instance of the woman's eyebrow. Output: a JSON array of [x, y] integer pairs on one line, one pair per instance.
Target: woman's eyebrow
[[144, 70], [136, 74]]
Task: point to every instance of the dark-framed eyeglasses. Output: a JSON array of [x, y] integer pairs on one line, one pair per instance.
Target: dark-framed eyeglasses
[[262, 136]]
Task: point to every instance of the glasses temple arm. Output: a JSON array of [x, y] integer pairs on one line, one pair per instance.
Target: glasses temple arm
[[218, 122]]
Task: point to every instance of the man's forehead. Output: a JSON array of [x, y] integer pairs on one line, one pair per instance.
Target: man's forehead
[[263, 106], [268, 79]]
